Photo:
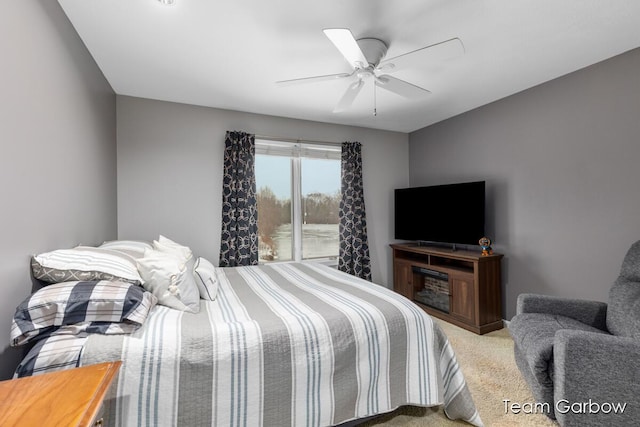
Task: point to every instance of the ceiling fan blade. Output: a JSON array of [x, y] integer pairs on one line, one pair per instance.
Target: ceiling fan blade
[[348, 46], [400, 87], [430, 54], [313, 79], [349, 96]]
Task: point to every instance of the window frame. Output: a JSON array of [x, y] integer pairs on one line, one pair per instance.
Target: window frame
[[296, 151]]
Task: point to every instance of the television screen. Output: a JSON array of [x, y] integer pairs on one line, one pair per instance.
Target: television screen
[[451, 213]]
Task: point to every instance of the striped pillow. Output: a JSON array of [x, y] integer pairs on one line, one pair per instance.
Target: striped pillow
[[135, 248], [56, 353], [85, 263], [81, 307]]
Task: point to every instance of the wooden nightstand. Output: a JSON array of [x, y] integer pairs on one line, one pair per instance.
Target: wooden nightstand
[[66, 398]]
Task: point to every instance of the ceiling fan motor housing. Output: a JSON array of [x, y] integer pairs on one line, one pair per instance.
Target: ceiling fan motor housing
[[373, 49]]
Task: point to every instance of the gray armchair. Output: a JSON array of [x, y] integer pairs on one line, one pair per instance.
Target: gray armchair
[[581, 358]]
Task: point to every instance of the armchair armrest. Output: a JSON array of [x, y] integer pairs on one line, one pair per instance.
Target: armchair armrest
[[593, 313], [599, 373]]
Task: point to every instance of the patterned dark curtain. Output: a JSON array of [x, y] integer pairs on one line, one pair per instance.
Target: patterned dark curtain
[[239, 241], [354, 248]]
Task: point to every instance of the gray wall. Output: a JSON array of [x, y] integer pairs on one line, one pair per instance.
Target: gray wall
[[561, 165], [58, 159], [170, 159]]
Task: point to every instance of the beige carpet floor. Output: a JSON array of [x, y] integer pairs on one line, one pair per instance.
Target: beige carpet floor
[[492, 376]]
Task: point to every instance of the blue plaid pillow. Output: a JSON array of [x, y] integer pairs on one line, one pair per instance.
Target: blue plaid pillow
[[103, 306]]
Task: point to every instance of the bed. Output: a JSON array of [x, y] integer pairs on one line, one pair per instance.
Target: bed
[[282, 344]]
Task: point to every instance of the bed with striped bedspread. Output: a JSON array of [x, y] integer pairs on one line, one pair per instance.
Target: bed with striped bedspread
[[283, 344]]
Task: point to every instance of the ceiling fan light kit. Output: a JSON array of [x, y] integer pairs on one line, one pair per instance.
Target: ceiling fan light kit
[[366, 57]]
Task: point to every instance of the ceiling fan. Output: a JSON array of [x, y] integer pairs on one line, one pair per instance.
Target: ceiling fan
[[366, 55]]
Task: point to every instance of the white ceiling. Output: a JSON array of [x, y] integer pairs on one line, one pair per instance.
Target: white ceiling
[[229, 54]]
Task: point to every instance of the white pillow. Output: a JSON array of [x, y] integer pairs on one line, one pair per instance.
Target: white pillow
[[170, 280], [205, 274], [168, 246]]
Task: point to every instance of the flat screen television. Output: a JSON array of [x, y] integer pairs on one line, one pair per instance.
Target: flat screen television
[[442, 214]]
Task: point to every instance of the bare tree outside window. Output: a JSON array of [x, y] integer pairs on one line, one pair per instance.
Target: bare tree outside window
[[269, 219]]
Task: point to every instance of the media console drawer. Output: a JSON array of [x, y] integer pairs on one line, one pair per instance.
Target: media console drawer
[[461, 287]]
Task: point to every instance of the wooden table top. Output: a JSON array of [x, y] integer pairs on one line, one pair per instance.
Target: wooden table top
[[66, 398]]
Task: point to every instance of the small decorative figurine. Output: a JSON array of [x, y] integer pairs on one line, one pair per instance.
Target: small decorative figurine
[[485, 244]]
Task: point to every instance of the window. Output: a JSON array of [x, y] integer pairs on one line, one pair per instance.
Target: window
[[298, 197]]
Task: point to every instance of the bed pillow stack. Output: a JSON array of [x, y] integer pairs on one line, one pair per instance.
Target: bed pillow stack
[[86, 290], [109, 289], [168, 270]]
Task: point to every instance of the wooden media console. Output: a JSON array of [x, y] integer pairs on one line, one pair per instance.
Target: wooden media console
[[459, 286]]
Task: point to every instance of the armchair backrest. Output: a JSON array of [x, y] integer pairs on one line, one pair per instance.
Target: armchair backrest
[[623, 312]]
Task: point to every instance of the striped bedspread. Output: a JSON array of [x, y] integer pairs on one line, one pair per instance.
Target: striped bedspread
[[286, 344]]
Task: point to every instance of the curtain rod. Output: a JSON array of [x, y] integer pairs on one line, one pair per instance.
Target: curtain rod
[[307, 141]]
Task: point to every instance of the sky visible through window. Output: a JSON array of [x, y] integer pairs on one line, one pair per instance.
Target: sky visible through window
[[319, 176]]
